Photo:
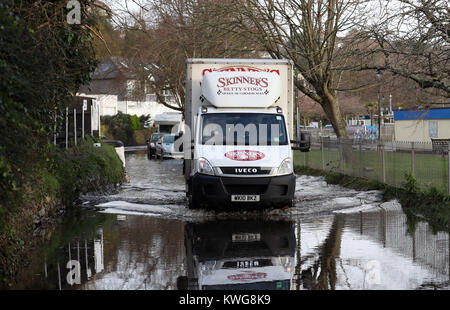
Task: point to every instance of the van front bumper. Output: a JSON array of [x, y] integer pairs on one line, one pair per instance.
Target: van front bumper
[[276, 191]]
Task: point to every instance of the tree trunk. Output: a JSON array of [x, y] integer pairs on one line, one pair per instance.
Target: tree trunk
[[333, 112], [329, 253]]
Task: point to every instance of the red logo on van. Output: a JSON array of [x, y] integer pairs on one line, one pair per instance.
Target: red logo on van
[[247, 275], [244, 155]]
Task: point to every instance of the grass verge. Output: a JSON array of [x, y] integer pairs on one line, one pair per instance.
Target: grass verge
[[431, 170]]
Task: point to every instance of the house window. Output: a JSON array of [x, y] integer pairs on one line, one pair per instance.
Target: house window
[[151, 97], [433, 129], [130, 87]]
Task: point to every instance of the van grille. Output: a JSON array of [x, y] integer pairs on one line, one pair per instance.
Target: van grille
[[247, 189], [237, 186], [246, 170]]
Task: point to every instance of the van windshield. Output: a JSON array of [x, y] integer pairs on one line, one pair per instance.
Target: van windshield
[[243, 129], [155, 137]]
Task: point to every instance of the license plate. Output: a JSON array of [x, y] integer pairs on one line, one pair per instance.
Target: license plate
[[245, 237], [245, 198], [247, 264]]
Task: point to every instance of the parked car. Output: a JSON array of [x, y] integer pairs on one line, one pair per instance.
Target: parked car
[[165, 147], [151, 143]]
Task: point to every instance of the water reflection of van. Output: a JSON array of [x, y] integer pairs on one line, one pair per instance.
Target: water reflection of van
[[242, 255]]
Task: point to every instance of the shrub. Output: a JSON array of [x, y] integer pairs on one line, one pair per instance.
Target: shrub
[[135, 123], [121, 127], [411, 185]]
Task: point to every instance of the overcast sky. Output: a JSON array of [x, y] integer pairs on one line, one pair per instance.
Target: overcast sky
[[374, 10]]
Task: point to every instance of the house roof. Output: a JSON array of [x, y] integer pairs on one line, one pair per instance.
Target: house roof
[[404, 115], [111, 67]]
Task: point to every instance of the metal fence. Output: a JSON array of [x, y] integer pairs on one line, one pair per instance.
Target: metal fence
[[388, 162], [81, 117], [357, 132]]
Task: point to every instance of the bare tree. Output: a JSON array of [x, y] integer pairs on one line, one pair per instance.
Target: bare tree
[[412, 40], [306, 31], [161, 35]]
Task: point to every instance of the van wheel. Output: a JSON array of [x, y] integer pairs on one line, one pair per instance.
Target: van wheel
[[290, 204], [193, 203]]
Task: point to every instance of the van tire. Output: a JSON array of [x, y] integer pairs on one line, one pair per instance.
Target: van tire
[[193, 203], [290, 204]]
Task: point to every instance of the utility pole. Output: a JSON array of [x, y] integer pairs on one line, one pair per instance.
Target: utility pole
[[379, 75], [297, 103], [390, 103]]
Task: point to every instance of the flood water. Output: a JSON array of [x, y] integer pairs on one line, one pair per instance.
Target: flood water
[[144, 237]]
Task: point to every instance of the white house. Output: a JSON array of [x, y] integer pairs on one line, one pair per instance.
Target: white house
[[112, 87]]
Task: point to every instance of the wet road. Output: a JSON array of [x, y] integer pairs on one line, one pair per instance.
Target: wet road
[[144, 237]]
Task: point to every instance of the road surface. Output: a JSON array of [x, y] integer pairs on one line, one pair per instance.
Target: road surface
[[145, 237]]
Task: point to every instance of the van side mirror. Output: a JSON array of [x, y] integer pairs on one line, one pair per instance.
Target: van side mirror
[[304, 144]]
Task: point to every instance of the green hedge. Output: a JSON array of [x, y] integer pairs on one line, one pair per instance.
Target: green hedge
[[52, 186], [84, 168]]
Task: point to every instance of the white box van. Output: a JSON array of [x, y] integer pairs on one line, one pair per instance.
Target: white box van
[[239, 120]]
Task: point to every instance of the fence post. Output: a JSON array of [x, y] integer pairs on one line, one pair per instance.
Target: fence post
[[54, 129], [98, 115], [82, 118], [413, 160], [383, 162], [67, 128], [360, 159], [92, 118], [448, 159], [75, 125], [341, 158], [321, 151]]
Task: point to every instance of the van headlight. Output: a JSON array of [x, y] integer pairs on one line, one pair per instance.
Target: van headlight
[[286, 167], [204, 167], [286, 262]]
